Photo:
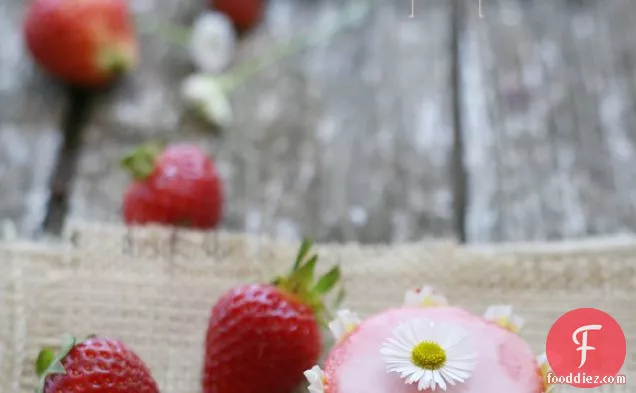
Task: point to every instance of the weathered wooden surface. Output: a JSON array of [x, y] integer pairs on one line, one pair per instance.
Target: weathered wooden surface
[[348, 141], [353, 140], [30, 110], [549, 123]]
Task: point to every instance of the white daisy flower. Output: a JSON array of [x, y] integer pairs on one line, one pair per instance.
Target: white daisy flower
[[344, 324], [213, 42], [316, 378], [208, 97], [424, 297], [430, 354], [504, 317]]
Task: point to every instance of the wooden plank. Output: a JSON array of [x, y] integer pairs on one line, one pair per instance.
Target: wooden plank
[[347, 141], [30, 114], [549, 124]]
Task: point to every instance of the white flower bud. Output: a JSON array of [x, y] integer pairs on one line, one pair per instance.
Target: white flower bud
[[345, 322], [213, 42], [316, 378], [207, 96]]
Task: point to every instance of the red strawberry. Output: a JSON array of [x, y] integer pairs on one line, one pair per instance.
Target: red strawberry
[[84, 43], [262, 337], [245, 14], [95, 365], [178, 185]]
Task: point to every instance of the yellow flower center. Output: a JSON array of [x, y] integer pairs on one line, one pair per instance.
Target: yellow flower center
[[428, 355], [507, 324], [428, 302]]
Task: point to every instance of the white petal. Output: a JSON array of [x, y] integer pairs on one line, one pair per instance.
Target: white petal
[[423, 330], [344, 323], [542, 359], [503, 316], [412, 298], [439, 380], [425, 296], [413, 376], [315, 377], [425, 380], [393, 347], [206, 95], [213, 42]]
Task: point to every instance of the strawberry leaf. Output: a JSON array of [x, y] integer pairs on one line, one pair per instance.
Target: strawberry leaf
[[339, 298], [56, 368], [141, 161], [44, 361], [49, 363], [305, 274], [300, 282], [327, 282], [302, 253]]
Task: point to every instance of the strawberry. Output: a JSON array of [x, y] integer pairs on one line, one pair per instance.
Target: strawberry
[[94, 365], [428, 346], [83, 43], [177, 185], [245, 14], [261, 337]]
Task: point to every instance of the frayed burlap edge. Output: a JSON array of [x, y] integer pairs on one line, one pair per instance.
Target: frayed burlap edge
[[153, 288]]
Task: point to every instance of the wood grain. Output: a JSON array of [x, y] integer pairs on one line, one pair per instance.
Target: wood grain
[[30, 112], [549, 126], [349, 141]]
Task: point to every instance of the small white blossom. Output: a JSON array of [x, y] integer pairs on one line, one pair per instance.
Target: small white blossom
[[344, 323], [424, 297], [207, 96], [504, 317], [429, 354], [316, 379], [213, 42]]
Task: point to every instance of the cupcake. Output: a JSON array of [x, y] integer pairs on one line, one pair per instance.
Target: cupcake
[[427, 345]]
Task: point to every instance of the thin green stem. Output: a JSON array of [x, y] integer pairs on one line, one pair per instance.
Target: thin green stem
[[351, 16], [169, 32]]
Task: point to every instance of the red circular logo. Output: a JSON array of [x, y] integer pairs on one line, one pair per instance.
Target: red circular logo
[[586, 348]]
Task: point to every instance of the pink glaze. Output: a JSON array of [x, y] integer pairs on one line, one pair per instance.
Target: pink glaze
[[505, 362]]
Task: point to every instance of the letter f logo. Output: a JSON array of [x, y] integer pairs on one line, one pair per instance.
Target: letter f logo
[[583, 344]]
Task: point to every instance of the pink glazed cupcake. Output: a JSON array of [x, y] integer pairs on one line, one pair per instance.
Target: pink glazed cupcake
[[428, 346]]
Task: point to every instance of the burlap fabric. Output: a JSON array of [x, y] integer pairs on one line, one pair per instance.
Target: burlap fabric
[[153, 288]]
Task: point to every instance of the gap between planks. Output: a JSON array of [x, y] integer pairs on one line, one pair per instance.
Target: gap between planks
[[74, 121], [458, 167]]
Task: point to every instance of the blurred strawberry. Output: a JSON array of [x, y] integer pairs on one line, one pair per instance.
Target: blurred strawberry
[[83, 43], [94, 365], [177, 185], [245, 14]]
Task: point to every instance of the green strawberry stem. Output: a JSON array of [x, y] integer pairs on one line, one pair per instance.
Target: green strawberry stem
[[117, 60], [49, 362], [141, 161], [169, 32], [301, 283]]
